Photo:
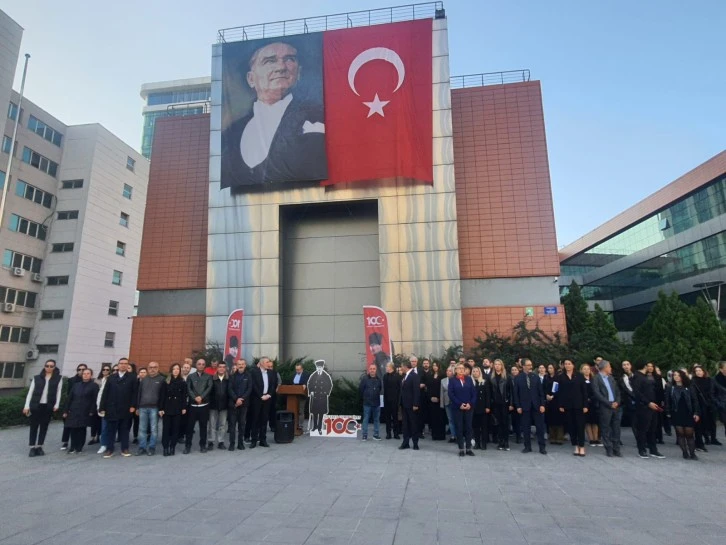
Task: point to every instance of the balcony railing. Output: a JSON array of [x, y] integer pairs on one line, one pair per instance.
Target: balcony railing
[[489, 78], [410, 12]]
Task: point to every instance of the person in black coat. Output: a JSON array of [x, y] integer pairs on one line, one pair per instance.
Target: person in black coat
[[173, 402], [572, 401], [410, 402], [240, 388], [218, 403], [69, 386], [80, 410], [391, 399], [646, 411], [501, 402], [261, 399], [681, 403], [703, 386], [118, 406], [482, 408], [462, 394], [529, 400], [553, 417], [437, 413]]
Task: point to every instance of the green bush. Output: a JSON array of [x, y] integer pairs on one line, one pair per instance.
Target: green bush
[[11, 411]]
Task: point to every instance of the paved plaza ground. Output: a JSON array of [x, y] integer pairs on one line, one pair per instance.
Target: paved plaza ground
[[342, 491]]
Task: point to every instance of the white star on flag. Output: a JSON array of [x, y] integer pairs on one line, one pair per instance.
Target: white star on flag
[[376, 107]]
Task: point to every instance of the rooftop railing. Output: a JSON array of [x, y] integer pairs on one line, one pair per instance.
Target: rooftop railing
[[489, 78], [410, 12]]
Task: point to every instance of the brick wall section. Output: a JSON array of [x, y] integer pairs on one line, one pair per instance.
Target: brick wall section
[[174, 244], [503, 194], [502, 319], [166, 339]]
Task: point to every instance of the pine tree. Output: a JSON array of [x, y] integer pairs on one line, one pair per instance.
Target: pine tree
[[577, 316]]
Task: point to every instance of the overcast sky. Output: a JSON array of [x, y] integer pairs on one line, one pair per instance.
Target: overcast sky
[[634, 91]]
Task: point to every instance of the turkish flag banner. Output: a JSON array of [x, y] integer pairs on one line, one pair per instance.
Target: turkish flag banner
[[378, 102], [233, 338]]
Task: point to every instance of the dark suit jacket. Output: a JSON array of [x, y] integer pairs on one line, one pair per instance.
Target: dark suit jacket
[[303, 379], [119, 395], [258, 384], [572, 392], [411, 391], [293, 156], [600, 391], [531, 398], [462, 393]]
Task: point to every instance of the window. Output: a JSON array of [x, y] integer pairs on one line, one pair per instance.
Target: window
[[60, 247], [124, 220], [12, 369], [186, 95], [35, 159], [117, 276], [120, 248], [109, 340], [113, 308], [13, 259], [51, 315], [14, 334], [27, 227], [47, 348], [2, 178], [44, 131], [32, 193], [71, 184], [7, 144], [130, 163], [57, 280], [128, 190], [13, 112], [18, 297], [68, 215]]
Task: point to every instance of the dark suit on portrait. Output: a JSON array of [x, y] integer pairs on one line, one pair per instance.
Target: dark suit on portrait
[[530, 398], [261, 409], [293, 156], [410, 398]]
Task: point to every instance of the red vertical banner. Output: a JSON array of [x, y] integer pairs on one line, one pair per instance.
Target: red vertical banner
[[378, 339], [233, 338], [378, 102]]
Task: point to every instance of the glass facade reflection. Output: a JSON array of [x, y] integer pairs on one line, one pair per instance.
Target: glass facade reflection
[[174, 97]]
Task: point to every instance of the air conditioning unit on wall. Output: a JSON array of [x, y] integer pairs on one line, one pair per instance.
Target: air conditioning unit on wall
[[18, 271], [37, 278], [8, 307], [32, 355]]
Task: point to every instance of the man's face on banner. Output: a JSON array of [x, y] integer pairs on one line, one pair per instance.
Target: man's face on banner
[[376, 348], [274, 71], [233, 351]]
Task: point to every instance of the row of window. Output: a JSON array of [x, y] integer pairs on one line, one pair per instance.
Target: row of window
[[35, 159], [22, 261], [32, 193], [27, 227], [172, 97], [44, 131], [14, 334], [12, 369], [19, 298]]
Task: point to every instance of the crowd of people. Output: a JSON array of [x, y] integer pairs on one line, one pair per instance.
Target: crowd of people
[[481, 404], [472, 404]]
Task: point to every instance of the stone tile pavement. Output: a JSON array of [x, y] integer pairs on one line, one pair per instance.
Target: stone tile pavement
[[342, 491]]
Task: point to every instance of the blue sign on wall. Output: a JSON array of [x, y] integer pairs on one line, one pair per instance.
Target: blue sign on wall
[[550, 310]]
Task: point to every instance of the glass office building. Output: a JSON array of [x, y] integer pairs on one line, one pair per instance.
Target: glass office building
[[172, 98], [674, 240]]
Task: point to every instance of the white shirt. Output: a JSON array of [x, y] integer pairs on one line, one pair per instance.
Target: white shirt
[[257, 136], [44, 394], [265, 381], [409, 372]]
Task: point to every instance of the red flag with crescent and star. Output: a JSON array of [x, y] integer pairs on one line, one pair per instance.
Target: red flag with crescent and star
[[378, 102]]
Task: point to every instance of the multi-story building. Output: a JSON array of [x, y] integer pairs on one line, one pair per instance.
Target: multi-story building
[[302, 261], [172, 98], [673, 240], [70, 240]]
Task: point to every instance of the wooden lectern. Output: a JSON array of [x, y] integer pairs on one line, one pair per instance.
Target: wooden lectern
[[293, 392]]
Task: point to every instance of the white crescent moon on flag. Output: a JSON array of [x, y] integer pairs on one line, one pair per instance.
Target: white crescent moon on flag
[[372, 54]]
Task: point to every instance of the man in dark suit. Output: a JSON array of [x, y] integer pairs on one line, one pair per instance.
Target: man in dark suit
[[118, 404], [199, 388], [410, 402], [529, 400], [319, 386], [300, 379], [283, 137], [264, 383], [607, 393]]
